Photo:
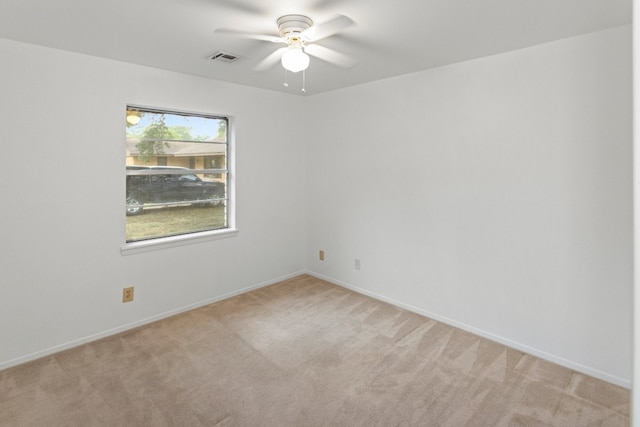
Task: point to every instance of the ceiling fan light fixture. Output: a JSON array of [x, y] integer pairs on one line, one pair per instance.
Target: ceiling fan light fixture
[[133, 117], [294, 59]]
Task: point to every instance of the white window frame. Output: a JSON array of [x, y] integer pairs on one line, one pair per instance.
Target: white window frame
[[142, 246]]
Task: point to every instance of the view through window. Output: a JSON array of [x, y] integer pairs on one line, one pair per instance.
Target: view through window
[[176, 173]]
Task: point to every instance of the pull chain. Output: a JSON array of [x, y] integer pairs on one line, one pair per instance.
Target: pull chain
[[304, 80], [285, 84]]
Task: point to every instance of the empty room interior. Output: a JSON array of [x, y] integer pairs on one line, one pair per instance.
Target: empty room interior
[[430, 224]]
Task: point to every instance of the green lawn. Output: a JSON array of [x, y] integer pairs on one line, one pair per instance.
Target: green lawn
[[162, 222]]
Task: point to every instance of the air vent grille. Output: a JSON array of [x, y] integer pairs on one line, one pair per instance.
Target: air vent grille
[[224, 57]]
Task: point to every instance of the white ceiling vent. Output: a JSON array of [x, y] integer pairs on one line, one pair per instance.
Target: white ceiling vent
[[224, 57]]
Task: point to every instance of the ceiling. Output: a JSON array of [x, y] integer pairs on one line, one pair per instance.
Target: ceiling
[[388, 38]]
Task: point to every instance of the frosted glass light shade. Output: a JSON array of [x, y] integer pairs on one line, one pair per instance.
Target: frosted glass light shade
[[133, 117], [294, 59]]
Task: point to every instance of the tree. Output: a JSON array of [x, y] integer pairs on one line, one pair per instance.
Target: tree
[[180, 133], [222, 130], [154, 139]]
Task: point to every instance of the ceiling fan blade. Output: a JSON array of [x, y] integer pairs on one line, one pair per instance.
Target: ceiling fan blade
[[242, 6], [254, 36], [324, 4], [271, 60], [330, 55], [327, 28]]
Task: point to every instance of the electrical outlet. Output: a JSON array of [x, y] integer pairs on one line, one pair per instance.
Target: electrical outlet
[[356, 263], [321, 255], [127, 294]]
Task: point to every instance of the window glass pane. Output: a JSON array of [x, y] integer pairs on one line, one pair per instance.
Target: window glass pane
[[176, 173], [175, 220], [165, 126]]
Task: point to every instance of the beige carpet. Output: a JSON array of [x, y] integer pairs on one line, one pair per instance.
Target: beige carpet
[[302, 352]]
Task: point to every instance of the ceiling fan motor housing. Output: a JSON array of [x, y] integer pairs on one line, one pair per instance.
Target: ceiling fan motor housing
[[290, 26]]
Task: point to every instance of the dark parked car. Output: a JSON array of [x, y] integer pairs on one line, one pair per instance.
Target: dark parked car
[[170, 188]]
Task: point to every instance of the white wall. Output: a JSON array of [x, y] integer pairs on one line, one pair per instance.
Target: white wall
[[494, 194], [63, 198], [635, 392]]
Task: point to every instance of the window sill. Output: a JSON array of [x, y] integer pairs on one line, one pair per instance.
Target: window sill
[[175, 241]]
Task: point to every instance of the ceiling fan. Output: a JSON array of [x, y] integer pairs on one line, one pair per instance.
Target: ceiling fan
[[300, 36]]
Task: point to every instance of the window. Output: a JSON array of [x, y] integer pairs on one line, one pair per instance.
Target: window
[[177, 176]]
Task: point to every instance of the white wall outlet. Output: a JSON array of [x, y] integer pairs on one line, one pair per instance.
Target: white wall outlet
[[356, 263]]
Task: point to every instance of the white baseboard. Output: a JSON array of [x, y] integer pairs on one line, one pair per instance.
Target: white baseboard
[[496, 338], [94, 337]]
